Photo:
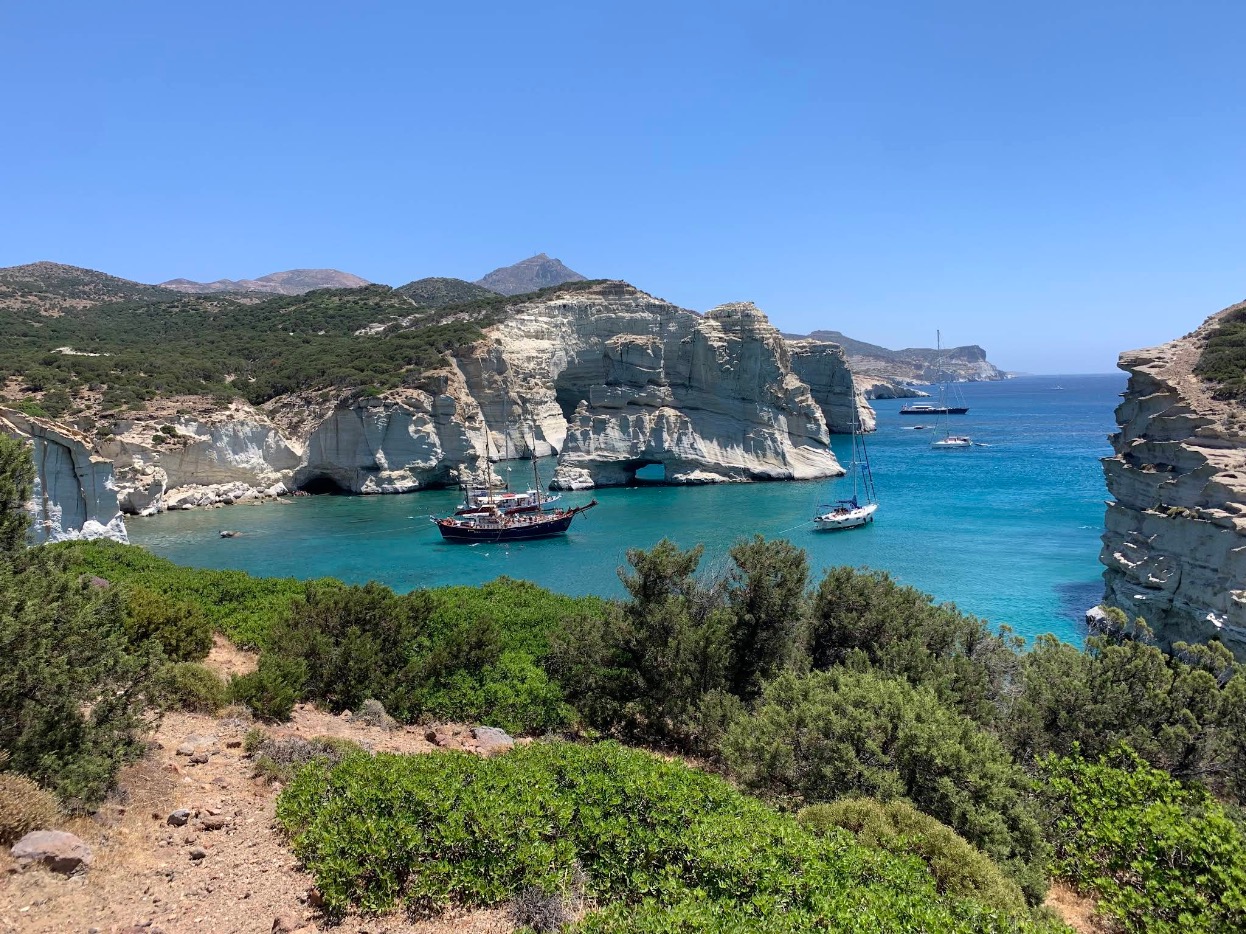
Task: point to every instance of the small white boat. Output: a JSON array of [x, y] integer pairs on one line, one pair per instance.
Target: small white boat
[[851, 513], [949, 441], [953, 441]]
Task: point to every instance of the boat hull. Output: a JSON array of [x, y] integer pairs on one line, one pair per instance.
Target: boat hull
[[840, 519], [467, 532], [952, 444], [936, 410]]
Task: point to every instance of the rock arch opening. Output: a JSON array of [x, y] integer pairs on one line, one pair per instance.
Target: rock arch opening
[[649, 472], [322, 484]]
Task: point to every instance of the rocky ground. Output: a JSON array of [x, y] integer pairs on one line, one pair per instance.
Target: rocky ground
[[227, 869]]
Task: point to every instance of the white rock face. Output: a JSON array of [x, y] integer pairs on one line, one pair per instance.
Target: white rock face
[[821, 366], [632, 380], [75, 495], [608, 378], [1174, 548]]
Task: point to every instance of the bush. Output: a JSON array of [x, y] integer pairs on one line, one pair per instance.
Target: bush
[[191, 686], [24, 807], [958, 867], [181, 629], [278, 758], [815, 738], [372, 712], [77, 697], [272, 689], [1157, 856], [457, 829]]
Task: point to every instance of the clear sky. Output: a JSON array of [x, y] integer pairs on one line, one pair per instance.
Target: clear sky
[[1056, 181]]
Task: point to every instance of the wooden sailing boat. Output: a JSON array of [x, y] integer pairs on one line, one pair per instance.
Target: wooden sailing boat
[[852, 513]]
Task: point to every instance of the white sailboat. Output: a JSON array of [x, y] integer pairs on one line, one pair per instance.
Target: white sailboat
[[949, 441], [852, 513]]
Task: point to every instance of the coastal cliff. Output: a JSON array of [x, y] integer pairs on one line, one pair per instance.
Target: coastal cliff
[[1174, 545], [601, 375], [75, 494]]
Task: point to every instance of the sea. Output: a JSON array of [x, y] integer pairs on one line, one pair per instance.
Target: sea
[[1008, 530]]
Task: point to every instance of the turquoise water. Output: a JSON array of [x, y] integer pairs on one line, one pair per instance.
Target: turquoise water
[[1009, 532]]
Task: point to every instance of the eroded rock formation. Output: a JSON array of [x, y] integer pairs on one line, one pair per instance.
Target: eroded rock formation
[[605, 377], [1174, 548], [75, 494]]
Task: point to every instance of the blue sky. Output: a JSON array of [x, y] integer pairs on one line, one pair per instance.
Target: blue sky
[[1056, 181]]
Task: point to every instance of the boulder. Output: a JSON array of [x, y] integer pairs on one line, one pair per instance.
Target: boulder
[[57, 850], [491, 741]]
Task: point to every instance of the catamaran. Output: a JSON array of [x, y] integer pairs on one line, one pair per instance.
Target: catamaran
[[852, 513]]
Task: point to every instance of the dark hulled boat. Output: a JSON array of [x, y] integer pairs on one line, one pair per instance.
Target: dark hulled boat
[[493, 525], [934, 410]]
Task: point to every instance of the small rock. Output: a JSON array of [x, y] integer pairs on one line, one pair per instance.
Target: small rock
[[178, 818], [59, 851], [430, 736], [233, 744], [197, 853], [212, 822], [286, 924], [199, 757], [314, 898], [194, 742], [491, 740]]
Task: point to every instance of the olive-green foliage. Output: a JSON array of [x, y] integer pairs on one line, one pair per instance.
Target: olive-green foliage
[[242, 607], [17, 478], [24, 807], [180, 627], [1159, 857], [457, 653], [191, 686], [272, 690], [827, 735], [1223, 360], [435, 831], [865, 617], [277, 759], [1175, 714], [75, 693], [162, 345], [896, 826], [675, 661]]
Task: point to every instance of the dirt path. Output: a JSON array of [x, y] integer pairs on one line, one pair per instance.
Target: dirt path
[[227, 870]]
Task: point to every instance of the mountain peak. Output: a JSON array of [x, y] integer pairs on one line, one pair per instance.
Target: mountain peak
[[528, 275], [289, 282]]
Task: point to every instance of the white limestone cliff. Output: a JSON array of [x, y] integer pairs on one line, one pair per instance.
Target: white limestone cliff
[[1174, 547], [606, 378], [75, 495]]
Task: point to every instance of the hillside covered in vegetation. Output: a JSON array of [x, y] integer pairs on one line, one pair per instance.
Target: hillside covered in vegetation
[[74, 339]]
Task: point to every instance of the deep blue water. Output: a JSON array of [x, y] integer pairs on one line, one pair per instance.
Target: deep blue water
[[1009, 531]]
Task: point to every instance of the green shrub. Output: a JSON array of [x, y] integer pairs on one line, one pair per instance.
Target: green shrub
[[896, 826], [24, 807], [1157, 856], [815, 738], [438, 830], [76, 697], [272, 689], [277, 759], [181, 629], [191, 686]]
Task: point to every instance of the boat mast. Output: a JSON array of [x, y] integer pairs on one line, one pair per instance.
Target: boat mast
[[947, 423]]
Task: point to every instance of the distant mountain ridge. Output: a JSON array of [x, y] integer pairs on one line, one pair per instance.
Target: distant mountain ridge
[[48, 288], [923, 365], [440, 291], [288, 282], [529, 275]]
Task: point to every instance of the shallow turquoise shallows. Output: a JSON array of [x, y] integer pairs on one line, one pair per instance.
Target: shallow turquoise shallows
[[1009, 532]]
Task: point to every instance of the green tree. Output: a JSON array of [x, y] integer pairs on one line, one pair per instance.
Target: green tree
[[827, 735], [766, 597], [17, 480]]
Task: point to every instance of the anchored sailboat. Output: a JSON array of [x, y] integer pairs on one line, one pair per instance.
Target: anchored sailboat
[[852, 513], [949, 441]]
